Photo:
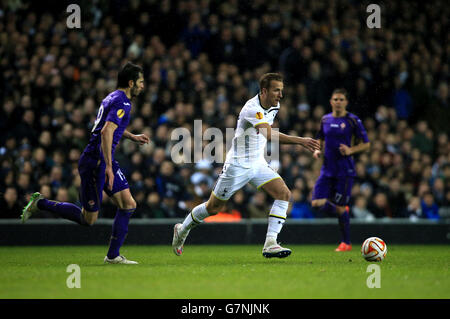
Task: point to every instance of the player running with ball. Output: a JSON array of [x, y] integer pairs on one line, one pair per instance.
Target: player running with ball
[[333, 188], [245, 163], [98, 169]]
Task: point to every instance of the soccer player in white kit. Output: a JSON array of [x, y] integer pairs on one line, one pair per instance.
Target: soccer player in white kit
[[245, 163]]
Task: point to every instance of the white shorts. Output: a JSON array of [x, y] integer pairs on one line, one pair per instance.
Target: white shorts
[[234, 177]]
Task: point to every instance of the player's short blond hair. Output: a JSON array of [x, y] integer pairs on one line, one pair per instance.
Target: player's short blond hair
[[264, 81]]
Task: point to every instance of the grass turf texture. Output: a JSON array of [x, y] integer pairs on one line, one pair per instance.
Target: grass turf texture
[[223, 272]]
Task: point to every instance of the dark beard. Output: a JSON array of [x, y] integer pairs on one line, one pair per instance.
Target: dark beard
[[134, 92]]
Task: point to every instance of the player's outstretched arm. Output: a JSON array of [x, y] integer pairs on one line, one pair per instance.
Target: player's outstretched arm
[[141, 139], [307, 142]]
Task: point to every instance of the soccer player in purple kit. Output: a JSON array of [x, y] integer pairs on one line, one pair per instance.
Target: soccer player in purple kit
[[98, 169], [331, 193]]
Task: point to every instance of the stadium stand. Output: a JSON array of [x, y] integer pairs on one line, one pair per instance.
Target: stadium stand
[[202, 59]]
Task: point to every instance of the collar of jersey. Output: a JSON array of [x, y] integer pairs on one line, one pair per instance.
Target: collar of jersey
[[269, 109]]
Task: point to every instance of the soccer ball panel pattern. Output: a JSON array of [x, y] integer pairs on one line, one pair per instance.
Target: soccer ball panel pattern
[[374, 249]]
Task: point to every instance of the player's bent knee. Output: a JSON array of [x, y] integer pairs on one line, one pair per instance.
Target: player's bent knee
[[318, 202], [90, 222], [286, 195], [217, 209], [214, 208], [131, 204], [89, 218], [128, 204]]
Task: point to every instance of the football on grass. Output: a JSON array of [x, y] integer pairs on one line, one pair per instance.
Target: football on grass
[[374, 249]]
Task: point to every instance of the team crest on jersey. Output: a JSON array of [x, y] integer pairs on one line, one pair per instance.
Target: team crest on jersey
[[120, 113], [342, 125], [259, 115]]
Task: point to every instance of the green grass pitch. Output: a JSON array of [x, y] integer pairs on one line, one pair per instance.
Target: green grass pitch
[[223, 272]]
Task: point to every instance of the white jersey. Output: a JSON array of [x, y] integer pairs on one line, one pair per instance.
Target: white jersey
[[248, 144]]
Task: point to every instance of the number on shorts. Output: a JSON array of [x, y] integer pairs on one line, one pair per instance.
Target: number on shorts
[[119, 172]]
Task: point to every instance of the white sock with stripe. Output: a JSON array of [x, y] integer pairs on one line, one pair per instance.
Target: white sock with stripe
[[277, 218], [194, 218]]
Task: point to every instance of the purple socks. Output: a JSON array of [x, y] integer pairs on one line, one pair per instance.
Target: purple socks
[[119, 231], [64, 210], [72, 212], [344, 220], [344, 225]]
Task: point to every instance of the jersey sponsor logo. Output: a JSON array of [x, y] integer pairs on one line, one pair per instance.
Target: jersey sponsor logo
[[126, 103], [334, 125], [259, 115], [120, 113]]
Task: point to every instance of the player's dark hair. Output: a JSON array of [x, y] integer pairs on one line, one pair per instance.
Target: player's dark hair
[[264, 81], [129, 72], [340, 91]]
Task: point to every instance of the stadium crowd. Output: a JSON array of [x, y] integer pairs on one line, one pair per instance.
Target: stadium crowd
[[202, 60]]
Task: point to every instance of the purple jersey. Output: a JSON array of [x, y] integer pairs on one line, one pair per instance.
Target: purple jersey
[[335, 131], [114, 108]]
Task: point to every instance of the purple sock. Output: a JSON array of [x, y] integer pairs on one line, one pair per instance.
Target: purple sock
[[65, 210], [119, 231], [344, 225]]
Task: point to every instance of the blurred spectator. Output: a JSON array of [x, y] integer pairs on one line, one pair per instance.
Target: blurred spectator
[[202, 190], [170, 206], [396, 198], [9, 204], [167, 182], [203, 174], [414, 209], [23, 184], [62, 195], [258, 206], [316, 85], [402, 101], [238, 204], [152, 207], [421, 139], [195, 35], [380, 206], [430, 210], [444, 211], [438, 190], [359, 209], [301, 208]]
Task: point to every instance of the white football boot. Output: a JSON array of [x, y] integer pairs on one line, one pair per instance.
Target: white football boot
[[273, 249], [178, 240], [119, 260]]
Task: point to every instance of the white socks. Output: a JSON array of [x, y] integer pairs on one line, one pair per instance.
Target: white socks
[[277, 218], [194, 218]]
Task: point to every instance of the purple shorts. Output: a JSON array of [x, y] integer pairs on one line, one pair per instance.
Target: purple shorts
[[337, 190], [92, 174]]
